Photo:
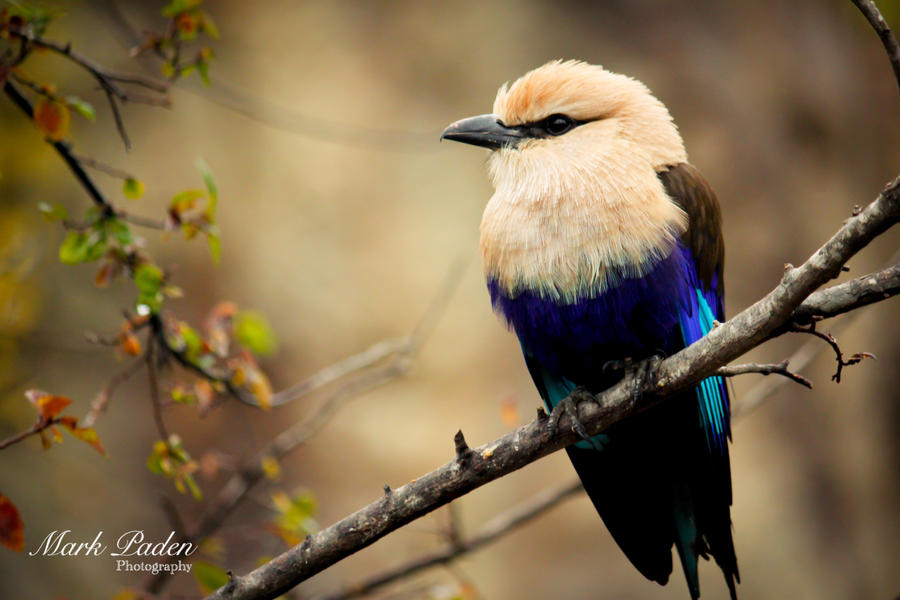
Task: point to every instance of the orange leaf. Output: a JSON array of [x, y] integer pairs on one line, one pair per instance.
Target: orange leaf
[[68, 422], [205, 393], [129, 344], [12, 530], [261, 388], [104, 274], [50, 406], [186, 24], [52, 118]]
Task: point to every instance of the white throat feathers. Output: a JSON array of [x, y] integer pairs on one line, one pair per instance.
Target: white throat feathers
[[573, 214]]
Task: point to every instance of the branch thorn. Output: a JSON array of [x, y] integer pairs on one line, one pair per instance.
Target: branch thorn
[[462, 448]]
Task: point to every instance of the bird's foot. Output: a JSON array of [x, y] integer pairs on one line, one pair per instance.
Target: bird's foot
[[644, 376], [611, 366], [569, 404]]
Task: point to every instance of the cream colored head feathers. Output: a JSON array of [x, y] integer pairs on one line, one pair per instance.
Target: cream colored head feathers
[[574, 212]]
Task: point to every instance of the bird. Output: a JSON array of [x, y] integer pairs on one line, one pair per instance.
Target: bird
[[601, 247]]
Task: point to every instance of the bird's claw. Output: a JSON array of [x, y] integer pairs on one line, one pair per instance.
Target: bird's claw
[[569, 404], [644, 374]]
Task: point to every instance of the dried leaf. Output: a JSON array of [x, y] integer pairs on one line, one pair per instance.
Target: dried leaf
[[129, 344], [105, 273], [50, 406], [52, 118], [205, 393], [12, 529]]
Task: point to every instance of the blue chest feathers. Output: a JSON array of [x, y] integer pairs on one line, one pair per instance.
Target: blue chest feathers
[[637, 317]]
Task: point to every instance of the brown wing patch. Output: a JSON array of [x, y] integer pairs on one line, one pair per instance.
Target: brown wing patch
[[690, 190]]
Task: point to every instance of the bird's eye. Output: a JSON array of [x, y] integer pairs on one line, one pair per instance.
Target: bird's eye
[[558, 124]]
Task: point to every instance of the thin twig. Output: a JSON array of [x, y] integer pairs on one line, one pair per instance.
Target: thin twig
[[99, 404], [838, 353], [758, 394], [40, 425], [876, 20], [150, 358], [171, 512], [765, 369], [99, 73], [347, 366], [102, 167], [499, 526], [381, 350]]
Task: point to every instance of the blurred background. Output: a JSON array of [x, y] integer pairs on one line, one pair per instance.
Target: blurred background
[[341, 215]]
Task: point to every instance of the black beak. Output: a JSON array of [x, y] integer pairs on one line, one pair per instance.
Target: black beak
[[484, 130]]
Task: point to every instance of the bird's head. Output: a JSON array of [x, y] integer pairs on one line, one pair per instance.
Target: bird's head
[[569, 117], [575, 155]]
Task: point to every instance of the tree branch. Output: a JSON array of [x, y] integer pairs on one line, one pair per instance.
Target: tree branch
[[827, 303], [873, 15], [849, 296], [533, 441]]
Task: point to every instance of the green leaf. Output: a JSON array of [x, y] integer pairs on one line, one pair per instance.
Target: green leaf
[[176, 7], [149, 280], [212, 240], [53, 212], [185, 200], [71, 252], [193, 487], [208, 179], [168, 70], [133, 188], [253, 331], [119, 231], [209, 576], [203, 70], [81, 107], [193, 343], [79, 247], [208, 26]]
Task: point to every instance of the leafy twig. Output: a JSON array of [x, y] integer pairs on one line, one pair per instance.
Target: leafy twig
[[107, 80], [251, 471]]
